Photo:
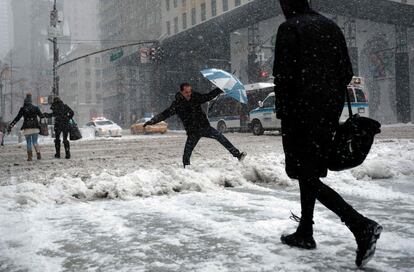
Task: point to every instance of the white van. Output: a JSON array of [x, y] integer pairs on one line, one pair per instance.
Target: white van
[[227, 114], [264, 117]]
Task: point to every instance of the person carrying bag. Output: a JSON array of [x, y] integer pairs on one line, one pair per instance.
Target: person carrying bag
[[63, 114], [31, 127], [352, 141]]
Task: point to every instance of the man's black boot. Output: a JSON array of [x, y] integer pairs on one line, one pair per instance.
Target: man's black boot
[[67, 150], [302, 238], [57, 148], [366, 235]]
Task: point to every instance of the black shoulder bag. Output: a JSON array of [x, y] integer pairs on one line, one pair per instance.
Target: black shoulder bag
[[352, 141]]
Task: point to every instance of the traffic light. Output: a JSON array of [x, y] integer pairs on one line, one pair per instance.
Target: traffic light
[[253, 69], [264, 74], [156, 53]]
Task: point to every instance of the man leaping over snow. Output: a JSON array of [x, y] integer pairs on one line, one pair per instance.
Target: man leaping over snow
[[187, 105]]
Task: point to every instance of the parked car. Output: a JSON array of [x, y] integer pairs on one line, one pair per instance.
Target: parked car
[[104, 127], [138, 127]]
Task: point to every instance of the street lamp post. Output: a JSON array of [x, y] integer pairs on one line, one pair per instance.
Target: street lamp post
[[2, 102], [53, 23]]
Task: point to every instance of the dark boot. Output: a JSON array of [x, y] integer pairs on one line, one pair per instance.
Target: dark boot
[[39, 157], [67, 150], [29, 155], [241, 156], [302, 237], [57, 148], [366, 234]]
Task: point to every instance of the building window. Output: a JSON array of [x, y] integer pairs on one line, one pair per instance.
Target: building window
[[225, 5], [167, 5], [98, 98], [184, 20], [193, 16], [203, 11], [176, 25], [88, 97], [213, 8], [168, 28], [175, 3], [184, 3], [237, 3], [97, 60]]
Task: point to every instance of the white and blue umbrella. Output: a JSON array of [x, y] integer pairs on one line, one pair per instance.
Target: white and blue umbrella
[[227, 82]]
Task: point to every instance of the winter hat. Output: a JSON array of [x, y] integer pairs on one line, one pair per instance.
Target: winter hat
[[28, 99], [56, 99]]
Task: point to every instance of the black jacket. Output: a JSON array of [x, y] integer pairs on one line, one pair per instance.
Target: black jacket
[[312, 69], [30, 113], [190, 112], [62, 113]]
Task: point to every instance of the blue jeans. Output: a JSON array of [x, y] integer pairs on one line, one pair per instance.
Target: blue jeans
[[211, 133], [31, 140]]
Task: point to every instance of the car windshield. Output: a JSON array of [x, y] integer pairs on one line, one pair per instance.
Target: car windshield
[[360, 96], [269, 102], [103, 123]]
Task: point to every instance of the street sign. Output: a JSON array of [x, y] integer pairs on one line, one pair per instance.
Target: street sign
[[116, 55], [144, 55]]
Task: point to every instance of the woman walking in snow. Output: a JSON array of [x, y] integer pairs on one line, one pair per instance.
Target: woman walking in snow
[[31, 125]]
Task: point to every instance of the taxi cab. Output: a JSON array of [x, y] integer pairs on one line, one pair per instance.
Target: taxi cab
[[138, 127], [264, 117], [104, 127]]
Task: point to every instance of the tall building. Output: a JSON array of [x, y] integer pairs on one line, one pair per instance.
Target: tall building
[[81, 19], [242, 41], [179, 15], [5, 25], [128, 81], [81, 83], [31, 55]]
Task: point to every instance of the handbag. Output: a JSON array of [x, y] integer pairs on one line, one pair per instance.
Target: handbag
[[74, 132], [352, 141], [44, 129]]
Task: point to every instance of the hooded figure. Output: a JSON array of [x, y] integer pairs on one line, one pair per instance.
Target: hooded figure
[[312, 70], [187, 105], [30, 127], [62, 113]]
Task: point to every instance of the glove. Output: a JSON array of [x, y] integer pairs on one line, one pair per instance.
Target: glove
[[149, 123]]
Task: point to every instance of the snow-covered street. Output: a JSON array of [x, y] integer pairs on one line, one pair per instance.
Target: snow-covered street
[[127, 205]]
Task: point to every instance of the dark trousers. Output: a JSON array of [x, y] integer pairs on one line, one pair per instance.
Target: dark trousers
[[65, 133], [211, 133], [312, 189]]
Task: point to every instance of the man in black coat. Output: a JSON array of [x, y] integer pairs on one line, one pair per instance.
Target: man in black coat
[[187, 105], [62, 113], [312, 69]]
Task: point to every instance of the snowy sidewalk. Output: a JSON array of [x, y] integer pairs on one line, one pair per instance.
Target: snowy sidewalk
[[140, 211]]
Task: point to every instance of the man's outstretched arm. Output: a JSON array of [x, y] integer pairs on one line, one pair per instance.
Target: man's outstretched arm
[[203, 98], [163, 115]]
